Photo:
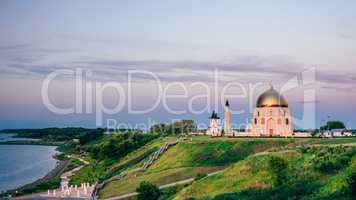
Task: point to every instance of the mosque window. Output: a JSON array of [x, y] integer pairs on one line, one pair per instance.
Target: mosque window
[[263, 121], [279, 121], [287, 121], [255, 121], [258, 113]]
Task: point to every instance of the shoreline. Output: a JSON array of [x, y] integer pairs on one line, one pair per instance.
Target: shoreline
[[30, 142]]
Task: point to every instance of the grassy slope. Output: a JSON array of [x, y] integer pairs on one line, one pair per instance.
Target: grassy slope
[[251, 176], [130, 183], [150, 147], [188, 158], [96, 170], [237, 177]]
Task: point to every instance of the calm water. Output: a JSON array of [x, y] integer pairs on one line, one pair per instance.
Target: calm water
[[9, 137], [22, 164]]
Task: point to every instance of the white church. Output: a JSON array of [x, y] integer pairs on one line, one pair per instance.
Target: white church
[[271, 117]]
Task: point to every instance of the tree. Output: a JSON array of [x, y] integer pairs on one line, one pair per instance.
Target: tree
[[314, 133], [148, 191], [279, 168], [158, 128], [352, 182], [119, 145], [91, 135], [184, 126], [333, 125]]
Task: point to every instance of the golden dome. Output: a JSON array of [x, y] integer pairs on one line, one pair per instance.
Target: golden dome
[[271, 98]]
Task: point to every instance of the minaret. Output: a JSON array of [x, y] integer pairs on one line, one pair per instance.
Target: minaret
[[227, 119]]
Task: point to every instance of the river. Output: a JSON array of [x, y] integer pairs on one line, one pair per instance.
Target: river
[[23, 164]]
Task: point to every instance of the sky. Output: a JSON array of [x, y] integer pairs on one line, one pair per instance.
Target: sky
[[246, 43]]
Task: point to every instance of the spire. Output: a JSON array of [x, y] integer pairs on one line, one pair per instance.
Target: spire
[[214, 115], [227, 103], [270, 85]]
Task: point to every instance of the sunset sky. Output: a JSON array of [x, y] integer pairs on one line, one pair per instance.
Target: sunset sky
[[248, 42]]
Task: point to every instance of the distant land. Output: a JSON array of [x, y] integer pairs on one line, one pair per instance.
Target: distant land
[[185, 166]]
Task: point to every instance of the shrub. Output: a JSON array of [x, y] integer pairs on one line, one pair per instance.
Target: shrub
[[279, 168], [118, 146], [352, 182], [148, 191], [200, 176], [304, 149], [325, 165], [169, 192], [333, 125], [332, 159], [176, 128], [60, 156], [227, 196]]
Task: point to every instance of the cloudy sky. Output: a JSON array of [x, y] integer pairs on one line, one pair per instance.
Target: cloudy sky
[[252, 43]]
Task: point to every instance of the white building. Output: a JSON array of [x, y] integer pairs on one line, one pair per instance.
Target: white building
[[214, 126], [302, 134], [271, 117], [336, 133]]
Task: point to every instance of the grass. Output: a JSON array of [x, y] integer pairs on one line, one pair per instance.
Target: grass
[[97, 171], [139, 153], [130, 183], [73, 163], [202, 151], [169, 193], [204, 154], [90, 173], [251, 179], [237, 177], [189, 158], [212, 152], [335, 141]]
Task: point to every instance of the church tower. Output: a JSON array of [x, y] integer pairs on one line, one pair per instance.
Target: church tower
[[215, 125], [227, 119]]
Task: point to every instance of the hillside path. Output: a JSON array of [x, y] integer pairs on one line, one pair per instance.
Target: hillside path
[[132, 194]]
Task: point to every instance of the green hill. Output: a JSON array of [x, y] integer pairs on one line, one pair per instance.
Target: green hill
[[218, 168], [243, 171], [189, 158], [102, 169], [312, 173]]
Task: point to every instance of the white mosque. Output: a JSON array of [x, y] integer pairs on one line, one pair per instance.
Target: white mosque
[[271, 118]]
